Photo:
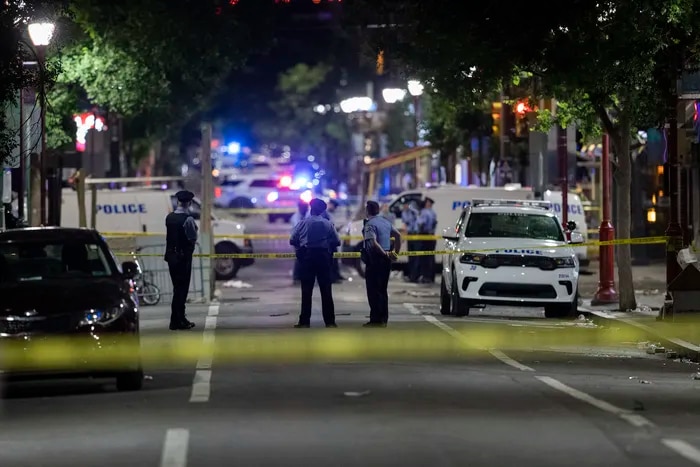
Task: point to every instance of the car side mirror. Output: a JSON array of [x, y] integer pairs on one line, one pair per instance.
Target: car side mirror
[[449, 235], [576, 238], [129, 269], [571, 226]]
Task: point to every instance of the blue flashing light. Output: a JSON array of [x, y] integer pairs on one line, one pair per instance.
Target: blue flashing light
[[234, 147]]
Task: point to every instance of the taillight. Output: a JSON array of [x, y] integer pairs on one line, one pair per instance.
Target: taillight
[[217, 192]]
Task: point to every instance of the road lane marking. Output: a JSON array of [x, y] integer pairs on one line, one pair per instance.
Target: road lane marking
[[175, 448], [628, 416], [201, 385], [684, 449], [457, 335]]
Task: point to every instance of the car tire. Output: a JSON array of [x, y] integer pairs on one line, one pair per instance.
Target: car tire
[[272, 218], [568, 310], [226, 268], [130, 381], [288, 219], [444, 299], [459, 306]]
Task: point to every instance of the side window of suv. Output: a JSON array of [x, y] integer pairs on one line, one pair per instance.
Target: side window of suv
[[260, 183]]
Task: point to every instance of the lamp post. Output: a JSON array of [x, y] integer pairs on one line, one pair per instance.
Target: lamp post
[[606, 292], [415, 88], [41, 34]]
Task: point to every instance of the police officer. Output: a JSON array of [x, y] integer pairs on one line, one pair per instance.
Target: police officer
[[427, 222], [377, 255], [301, 214], [181, 237], [409, 216], [314, 239]]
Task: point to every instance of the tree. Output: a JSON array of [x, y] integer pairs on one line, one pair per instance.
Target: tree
[[15, 49], [616, 60], [295, 119], [156, 63]]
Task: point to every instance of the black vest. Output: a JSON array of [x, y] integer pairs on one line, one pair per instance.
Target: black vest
[[176, 240]]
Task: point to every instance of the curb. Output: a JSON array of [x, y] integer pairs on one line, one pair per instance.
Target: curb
[[683, 348]]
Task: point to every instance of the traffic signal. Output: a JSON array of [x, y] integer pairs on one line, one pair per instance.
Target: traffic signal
[[496, 109]]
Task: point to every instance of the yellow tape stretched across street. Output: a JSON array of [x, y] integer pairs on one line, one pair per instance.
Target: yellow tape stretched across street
[[417, 341], [256, 236], [628, 241]]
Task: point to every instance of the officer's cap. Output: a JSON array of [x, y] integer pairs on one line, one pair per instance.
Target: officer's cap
[[317, 205], [429, 200], [184, 196]]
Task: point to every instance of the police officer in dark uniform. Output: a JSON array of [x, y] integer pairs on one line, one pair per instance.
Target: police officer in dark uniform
[[181, 237], [315, 239], [378, 233]]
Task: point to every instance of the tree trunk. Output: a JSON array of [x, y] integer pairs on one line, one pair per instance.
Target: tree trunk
[[624, 212]]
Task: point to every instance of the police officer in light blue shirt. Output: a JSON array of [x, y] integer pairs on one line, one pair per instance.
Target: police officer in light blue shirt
[[315, 239], [427, 223], [378, 255], [409, 216]]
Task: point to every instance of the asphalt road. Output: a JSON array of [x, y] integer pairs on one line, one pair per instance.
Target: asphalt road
[[613, 405]]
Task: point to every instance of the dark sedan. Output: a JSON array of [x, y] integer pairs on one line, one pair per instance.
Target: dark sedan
[[64, 285]]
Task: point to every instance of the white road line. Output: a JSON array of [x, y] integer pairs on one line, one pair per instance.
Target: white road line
[[684, 449], [628, 416], [201, 385], [175, 448], [456, 334]]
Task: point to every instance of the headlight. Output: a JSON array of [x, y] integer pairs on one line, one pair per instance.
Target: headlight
[[564, 262], [472, 258], [103, 316]]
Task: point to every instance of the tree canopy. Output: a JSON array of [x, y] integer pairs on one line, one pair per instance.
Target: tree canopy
[[611, 61], [156, 63]]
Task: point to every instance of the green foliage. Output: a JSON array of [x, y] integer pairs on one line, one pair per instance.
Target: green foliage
[[156, 63], [294, 121], [15, 47]]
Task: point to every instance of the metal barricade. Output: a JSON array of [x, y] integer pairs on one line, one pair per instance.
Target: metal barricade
[[152, 263]]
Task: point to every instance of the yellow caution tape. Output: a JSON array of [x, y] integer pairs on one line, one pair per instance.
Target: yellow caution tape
[[417, 342], [627, 241], [256, 236]]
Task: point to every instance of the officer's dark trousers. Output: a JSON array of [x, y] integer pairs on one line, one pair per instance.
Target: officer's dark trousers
[[335, 266], [376, 282], [315, 265], [413, 267], [180, 274], [427, 263]]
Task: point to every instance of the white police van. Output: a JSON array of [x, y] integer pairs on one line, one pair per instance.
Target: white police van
[[509, 253], [144, 210]]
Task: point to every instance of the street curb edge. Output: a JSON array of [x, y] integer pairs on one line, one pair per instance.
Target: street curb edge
[[683, 348]]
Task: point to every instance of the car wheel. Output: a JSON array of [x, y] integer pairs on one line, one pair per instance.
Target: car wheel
[[272, 218], [130, 381], [460, 307], [569, 310], [226, 268], [444, 299]]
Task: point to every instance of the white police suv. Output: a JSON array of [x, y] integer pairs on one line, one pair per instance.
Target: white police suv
[[510, 253]]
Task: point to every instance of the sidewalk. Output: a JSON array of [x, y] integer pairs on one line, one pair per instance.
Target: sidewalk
[[675, 339]]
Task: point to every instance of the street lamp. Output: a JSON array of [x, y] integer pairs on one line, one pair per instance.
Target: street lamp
[[356, 104], [41, 34], [415, 88]]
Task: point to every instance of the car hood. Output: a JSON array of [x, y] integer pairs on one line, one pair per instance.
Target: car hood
[[517, 246], [59, 296]]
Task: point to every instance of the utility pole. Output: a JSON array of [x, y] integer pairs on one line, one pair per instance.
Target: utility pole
[[207, 243]]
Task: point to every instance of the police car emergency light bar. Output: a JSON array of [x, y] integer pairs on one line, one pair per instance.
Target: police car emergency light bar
[[513, 202]]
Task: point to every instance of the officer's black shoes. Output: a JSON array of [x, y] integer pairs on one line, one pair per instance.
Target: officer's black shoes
[[302, 326], [374, 325], [183, 326], [331, 325]]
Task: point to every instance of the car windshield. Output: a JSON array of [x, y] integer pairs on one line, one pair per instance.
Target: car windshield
[[42, 260], [513, 225]]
